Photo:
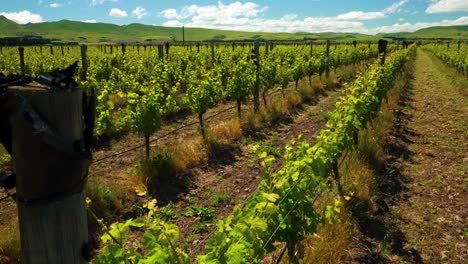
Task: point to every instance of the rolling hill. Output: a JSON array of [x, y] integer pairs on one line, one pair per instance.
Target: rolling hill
[[67, 30]]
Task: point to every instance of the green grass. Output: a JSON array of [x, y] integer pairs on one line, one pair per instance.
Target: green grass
[[452, 32], [67, 30]]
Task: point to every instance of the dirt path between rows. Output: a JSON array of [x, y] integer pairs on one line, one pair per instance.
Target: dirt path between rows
[[424, 217], [239, 178]]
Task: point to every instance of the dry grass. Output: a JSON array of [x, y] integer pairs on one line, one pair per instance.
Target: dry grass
[[294, 99], [227, 131], [359, 175], [187, 153], [106, 198], [10, 251], [326, 246]]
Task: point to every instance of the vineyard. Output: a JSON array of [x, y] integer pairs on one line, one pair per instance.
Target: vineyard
[[221, 153]]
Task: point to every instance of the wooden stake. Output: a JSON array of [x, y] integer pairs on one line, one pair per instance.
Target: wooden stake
[[21, 55], [256, 91], [51, 230], [161, 52], [311, 47], [327, 55], [84, 61], [212, 52]]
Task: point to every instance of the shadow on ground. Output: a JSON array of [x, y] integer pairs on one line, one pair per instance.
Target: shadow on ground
[[380, 235]]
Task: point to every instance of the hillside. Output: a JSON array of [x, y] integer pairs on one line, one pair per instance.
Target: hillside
[[452, 32], [67, 30]]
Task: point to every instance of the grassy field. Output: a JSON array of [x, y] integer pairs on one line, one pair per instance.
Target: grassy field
[[66, 30]]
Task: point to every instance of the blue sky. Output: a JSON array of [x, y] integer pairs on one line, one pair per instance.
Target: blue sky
[[363, 16]]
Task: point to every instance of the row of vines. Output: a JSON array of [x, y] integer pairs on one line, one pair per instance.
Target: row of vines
[[136, 88], [281, 209], [454, 55]]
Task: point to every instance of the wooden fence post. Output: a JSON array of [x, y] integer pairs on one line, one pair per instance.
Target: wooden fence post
[[161, 52], [327, 55], [311, 44], [212, 52], [123, 49], [21, 55], [167, 49], [84, 61], [256, 91], [50, 179], [382, 50]]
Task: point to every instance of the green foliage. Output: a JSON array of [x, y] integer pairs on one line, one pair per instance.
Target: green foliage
[[156, 169], [221, 198], [451, 55], [205, 214], [282, 206], [242, 81], [203, 92], [157, 245]]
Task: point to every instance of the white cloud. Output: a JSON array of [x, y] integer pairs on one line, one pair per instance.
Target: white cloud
[[445, 6], [115, 12], [235, 16], [100, 2], [170, 13], [247, 17], [89, 21], [139, 12], [408, 27], [55, 5], [173, 23], [360, 15], [236, 9], [23, 17], [396, 7]]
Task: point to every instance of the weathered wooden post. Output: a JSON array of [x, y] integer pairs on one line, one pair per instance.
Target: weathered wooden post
[[21, 55], [123, 49], [327, 55], [51, 50], [61, 49], [160, 52], [382, 50], [212, 52], [84, 61], [51, 155], [256, 91], [311, 44], [168, 46]]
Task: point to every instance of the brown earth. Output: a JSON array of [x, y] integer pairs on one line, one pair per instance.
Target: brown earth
[[421, 215]]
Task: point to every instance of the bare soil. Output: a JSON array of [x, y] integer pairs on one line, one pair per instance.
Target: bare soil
[[421, 215]]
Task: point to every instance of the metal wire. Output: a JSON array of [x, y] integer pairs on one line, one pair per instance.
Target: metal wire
[[284, 218], [161, 137]]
